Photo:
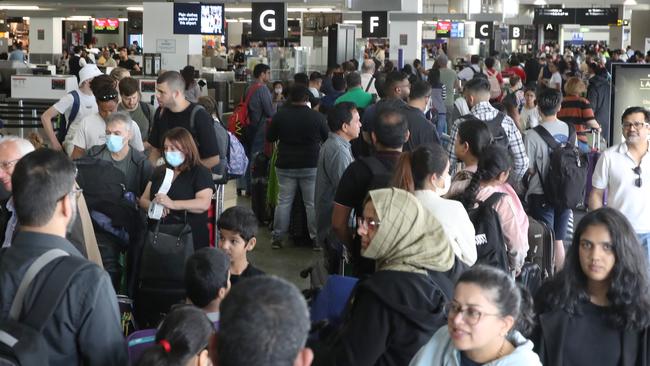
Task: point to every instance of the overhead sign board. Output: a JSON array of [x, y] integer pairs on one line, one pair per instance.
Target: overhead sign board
[[269, 21], [374, 24], [484, 30], [582, 16], [516, 31]]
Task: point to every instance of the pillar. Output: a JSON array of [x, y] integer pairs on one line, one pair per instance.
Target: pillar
[[640, 29], [462, 47], [179, 50], [411, 29], [616, 32], [45, 42]]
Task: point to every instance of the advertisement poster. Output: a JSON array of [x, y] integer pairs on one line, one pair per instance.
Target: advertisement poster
[[630, 87]]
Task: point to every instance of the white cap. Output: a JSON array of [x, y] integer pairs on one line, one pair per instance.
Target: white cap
[[88, 72]]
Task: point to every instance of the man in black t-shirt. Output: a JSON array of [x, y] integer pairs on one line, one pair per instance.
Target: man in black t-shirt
[[388, 137], [175, 111], [126, 62]]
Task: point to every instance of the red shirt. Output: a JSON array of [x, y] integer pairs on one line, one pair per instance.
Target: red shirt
[[517, 70]]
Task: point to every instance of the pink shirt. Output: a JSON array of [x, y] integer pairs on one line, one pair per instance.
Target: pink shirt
[[514, 222]]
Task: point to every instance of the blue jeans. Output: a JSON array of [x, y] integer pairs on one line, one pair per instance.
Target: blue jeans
[[290, 180], [644, 238], [556, 219]]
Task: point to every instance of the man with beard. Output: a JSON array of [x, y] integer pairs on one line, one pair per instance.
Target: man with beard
[[397, 89], [85, 324]]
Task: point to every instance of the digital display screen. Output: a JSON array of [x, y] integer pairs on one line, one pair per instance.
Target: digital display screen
[[204, 19], [107, 25], [212, 19], [554, 16], [458, 30], [630, 87], [443, 28], [597, 16]]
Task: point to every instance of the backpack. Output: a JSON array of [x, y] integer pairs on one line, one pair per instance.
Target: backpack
[[495, 87], [21, 334], [564, 183], [381, 175], [499, 136], [64, 123], [490, 242], [223, 145], [239, 118]]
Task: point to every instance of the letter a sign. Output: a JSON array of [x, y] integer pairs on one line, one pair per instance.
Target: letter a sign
[[269, 21], [484, 30], [374, 24]]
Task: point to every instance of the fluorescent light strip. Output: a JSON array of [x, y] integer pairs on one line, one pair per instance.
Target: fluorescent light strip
[[123, 19], [322, 10], [135, 8], [352, 21], [238, 10], [19, 7], [298, 9]]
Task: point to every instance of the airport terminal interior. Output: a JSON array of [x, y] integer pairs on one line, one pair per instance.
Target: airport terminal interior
[[344, 182]]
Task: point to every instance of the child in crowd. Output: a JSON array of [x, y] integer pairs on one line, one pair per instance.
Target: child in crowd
[[207, 280], [237, 228], [529, 115], [183, 338]]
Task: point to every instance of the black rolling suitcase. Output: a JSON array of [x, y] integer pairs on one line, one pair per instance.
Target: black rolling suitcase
[[539, 263], [259, 185], [298, 228]]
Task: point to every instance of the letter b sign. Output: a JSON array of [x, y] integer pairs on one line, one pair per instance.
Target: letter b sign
[[515, 31], [269, 21], [484, 30]]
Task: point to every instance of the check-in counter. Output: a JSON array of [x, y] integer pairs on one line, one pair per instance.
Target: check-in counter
[[42, 86]]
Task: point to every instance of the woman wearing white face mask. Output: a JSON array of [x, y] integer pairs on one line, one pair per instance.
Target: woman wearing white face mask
[[425, 172], [191, 188]]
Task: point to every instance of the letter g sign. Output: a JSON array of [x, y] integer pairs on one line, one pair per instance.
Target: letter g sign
[[270, 25]]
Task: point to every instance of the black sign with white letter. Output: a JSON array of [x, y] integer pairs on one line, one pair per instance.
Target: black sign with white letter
[[269, 21], [597, 16], [516, 31], [484, 30], [374, 24]]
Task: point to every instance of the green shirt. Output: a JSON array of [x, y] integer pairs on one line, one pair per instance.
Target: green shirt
[[140, 117], [357, 96]]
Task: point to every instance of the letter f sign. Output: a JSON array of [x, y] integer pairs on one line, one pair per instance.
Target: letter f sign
[[374, 22]]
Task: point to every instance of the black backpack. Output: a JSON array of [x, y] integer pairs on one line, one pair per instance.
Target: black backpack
[[21, 334], [381, 175], [490, 242], [564, 183], [499, 136]]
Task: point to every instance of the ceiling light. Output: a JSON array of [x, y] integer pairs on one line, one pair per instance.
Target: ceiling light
[[321, 10], [79, 17], [123, 19], [232, 21], [298, 9], [19, 7], [539, 2], [245, 21], [629, 2], [26, 18], [135, 8], [238, 10], [352, 21]]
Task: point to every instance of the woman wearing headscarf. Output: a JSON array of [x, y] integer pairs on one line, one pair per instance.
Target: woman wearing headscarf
[[396, 310]]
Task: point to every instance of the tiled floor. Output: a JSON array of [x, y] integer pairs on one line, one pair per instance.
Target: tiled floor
[[286, 262]]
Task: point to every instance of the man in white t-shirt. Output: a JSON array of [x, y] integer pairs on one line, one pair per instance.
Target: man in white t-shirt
[[624, 170], [471, 70], [66, 106], [92, 129], [367, 76]]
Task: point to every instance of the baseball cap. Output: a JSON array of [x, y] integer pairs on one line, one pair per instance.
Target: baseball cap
[[88, 72]]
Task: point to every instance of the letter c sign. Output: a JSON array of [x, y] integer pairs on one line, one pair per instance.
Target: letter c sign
[[484, 30]]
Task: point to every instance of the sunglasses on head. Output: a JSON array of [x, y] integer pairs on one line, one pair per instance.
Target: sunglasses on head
[[107, 97]]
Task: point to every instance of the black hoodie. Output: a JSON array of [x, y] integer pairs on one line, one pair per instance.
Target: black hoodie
[[391, 316]]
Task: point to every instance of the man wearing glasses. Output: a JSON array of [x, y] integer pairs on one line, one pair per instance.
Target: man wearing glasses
[[624, 170], [92, 129]]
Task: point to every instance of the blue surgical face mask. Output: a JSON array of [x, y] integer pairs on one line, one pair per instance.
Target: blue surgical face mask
[[174, 158], [114, 143]]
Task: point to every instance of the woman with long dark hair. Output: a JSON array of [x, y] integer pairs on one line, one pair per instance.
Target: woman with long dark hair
[[487, 323], [596, 311], [425, 173], [192, 90], [491, 177], [473, 136]]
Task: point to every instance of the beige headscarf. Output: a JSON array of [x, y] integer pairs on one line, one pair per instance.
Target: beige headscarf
[[409, 238]]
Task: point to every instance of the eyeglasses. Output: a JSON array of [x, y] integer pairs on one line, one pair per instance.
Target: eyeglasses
[[107, 97], [470, 316], [6, 165], [638, 182], [366, 224], [75, 192], [637, 125]]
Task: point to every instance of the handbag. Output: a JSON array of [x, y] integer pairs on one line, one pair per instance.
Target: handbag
[[166, 248]]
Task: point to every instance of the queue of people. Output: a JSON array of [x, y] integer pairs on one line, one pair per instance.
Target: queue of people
[[435, 226]]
